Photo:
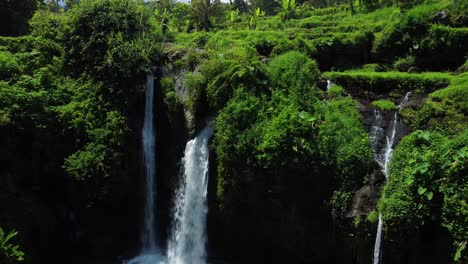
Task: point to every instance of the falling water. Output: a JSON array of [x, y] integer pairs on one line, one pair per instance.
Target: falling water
[[329, 85], [187, 244], [149, 254], [148, 140], [383, 159]]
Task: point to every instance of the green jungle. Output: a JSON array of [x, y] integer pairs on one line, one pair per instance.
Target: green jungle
[[285, 131]]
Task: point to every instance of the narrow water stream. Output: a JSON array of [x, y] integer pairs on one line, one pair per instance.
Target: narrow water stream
[[383, 157]]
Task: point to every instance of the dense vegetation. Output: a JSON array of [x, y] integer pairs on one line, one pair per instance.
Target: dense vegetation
[[288, 157]]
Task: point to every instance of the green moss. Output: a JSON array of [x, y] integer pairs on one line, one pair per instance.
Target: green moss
[[336, 91], [385, 105]]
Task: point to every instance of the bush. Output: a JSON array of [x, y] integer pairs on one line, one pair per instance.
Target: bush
[[373, 217], [427, 181], [294, 73], [226, 71], [196, 93], [9, 66], [404, 64]]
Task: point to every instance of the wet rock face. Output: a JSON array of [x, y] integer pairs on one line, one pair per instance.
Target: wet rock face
[[379, 125], [365, 199]]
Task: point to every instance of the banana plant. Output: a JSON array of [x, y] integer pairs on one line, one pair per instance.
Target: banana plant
[[163, 16], [254, 16], [233, 18], [287, 8]]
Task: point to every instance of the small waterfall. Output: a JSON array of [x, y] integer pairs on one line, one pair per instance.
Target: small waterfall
[[187, 244], [149, 253], [329, 85], [383, 159]]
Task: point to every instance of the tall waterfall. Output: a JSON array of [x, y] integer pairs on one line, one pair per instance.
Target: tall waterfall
[[149, 254], [187, 243], [148, 141], [383, 158]]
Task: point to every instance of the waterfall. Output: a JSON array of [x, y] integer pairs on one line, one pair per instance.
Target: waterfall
[[383, 159], [149, 254], [148, 141], [329, 85], [187, 243]]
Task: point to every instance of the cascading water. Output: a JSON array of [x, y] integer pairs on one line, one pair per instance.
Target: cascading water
[[187, 243], [149, 253], [329, 85], [383, 159]]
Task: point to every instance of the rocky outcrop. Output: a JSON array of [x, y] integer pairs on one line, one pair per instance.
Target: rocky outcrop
[[366, 198]]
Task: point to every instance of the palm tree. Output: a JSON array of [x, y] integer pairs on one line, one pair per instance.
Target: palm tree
[[204, 9]]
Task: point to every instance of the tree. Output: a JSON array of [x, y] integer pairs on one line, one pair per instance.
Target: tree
[[268, 6], [112, 41], [240, 5], [14, 16], [203, 10]]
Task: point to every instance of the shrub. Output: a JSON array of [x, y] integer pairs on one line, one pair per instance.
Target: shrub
[[226, 71], [404, 64], [9, 66], [373, 217], [426, 179], [295, 73], [196, 93]]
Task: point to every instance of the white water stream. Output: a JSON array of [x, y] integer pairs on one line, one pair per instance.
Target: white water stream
[[188, 240], [383, 159]]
